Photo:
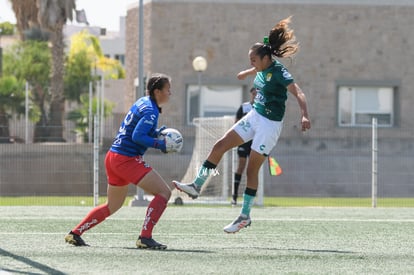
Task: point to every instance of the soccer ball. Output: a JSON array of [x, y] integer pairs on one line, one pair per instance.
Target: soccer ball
[[173, 140]]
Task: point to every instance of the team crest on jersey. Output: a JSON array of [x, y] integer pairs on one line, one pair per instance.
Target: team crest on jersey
[[286, 74], [268, 76]]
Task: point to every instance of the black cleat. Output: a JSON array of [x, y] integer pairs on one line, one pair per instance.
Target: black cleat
[[75, 239], [149, 243]]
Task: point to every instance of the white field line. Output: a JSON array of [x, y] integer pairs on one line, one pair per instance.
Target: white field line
[[222, 219]]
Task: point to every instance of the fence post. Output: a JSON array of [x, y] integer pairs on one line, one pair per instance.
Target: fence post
[[374, 179], [96, 161], [26, 114], [90, 113]]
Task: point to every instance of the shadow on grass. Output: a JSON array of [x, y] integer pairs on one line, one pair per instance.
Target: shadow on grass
[[172, 250], [320, 250], [44, 268], [302, 250]]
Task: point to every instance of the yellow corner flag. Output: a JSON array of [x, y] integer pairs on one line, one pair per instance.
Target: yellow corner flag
[[274, 167]]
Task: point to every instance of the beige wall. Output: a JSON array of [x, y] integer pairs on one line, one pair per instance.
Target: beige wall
[[342, 41], [339, 42]]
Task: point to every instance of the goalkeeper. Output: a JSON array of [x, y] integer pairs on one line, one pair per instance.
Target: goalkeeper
[[243, 151], [264, 123], [124, 164]]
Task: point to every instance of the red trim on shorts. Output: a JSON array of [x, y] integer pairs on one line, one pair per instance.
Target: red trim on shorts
[[122, 170]]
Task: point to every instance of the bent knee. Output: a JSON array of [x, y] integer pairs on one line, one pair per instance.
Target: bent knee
[[166, 194], [114, 207]]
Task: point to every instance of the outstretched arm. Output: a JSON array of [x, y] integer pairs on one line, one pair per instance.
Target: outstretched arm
[[294, 89], [243, 74]]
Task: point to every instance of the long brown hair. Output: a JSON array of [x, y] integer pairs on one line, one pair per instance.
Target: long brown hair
[[281, 41]]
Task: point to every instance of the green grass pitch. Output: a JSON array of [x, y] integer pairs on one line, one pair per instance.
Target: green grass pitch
[[281, 240]]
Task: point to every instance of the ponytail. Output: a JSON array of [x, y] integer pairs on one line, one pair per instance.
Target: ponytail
[[281, 41]]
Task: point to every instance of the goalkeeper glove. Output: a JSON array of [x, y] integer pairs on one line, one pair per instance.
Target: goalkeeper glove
[[161, 144], [157, 132]]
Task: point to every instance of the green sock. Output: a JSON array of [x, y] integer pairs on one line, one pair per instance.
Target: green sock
[[202, 176], [203, 173], [248, 200]]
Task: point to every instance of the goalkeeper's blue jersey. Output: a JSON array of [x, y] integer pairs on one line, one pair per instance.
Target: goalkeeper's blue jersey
[[137, 131]]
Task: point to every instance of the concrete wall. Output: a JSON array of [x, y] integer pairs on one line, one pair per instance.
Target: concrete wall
[[332, 168], [67, 169], [40, 169], [340, 41]]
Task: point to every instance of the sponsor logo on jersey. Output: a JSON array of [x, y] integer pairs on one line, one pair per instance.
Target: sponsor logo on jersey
[[128, 118], [286, 74], [141, 108], [258, 84], [259, 99], [268, 76]]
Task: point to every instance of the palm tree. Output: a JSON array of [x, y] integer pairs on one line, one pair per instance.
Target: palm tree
[[50, 16], [26, 15]]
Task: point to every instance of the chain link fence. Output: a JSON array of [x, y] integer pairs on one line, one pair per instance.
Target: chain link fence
[[312, 166]]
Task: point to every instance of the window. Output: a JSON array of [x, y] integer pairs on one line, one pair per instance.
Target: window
[[357, 105], [120, 58], [213, 101]]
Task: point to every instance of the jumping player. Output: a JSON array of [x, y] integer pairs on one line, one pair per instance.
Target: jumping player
[[243, 151], [124, 164], [263, 124]]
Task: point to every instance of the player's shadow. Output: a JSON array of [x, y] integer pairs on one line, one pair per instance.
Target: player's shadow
[[41, 267]]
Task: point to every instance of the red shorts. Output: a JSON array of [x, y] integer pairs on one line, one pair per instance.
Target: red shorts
[[122, 170]]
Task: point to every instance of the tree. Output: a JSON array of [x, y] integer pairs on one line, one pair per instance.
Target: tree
[[11, 98], [53, 16], [77, 75], [26, 15], [81, 114], [6, 28], [50, 15], [85, 57], [29, 61]]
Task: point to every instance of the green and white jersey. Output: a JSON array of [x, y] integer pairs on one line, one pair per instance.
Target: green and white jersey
[[271, 91]]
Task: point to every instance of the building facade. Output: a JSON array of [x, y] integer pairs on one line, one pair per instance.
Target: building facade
[[355, 63]]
